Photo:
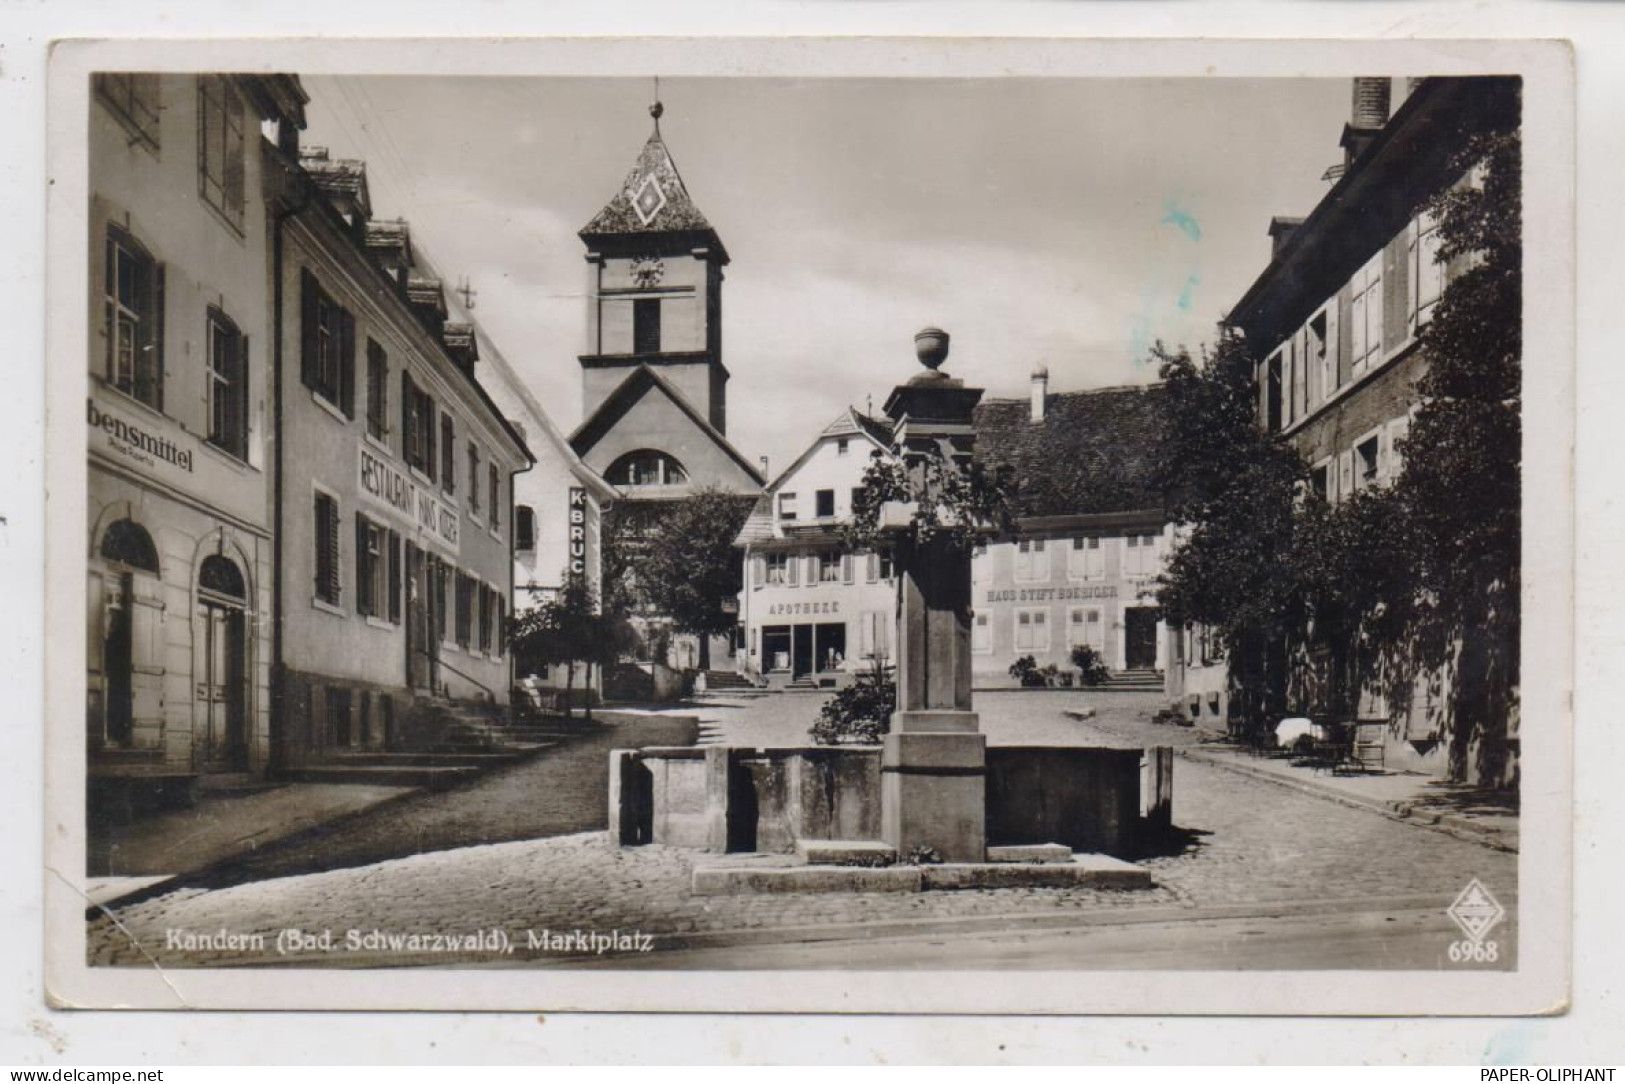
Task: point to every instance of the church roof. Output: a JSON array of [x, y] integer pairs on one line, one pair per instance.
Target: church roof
[[652, 200], [626, 395]]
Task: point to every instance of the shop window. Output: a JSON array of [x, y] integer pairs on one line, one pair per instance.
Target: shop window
[[377, 390], [132, 98], [646, 325], [825, 499], [524, 528], [220, 147], [228, 385], [326, 526], [327, 355], [135, 320], [787, 507]]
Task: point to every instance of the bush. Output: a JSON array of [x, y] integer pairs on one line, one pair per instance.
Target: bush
[[1091, 667], [858, 714], [1026, 671]]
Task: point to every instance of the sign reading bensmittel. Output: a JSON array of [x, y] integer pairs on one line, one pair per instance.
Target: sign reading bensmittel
[[393, 488], [578, 531]]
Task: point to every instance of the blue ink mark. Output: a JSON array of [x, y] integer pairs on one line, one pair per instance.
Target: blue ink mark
[[1173, 216], [1509, 1046], [1188, 294]]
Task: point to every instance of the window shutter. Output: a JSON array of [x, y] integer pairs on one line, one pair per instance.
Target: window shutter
[[431, 464], [847, 572], [872, 574], [363, 582], [758, 570], [347, 363], [242, 405], [308, 302], [394, 577], [1345, 474], [409, 432], [334, 578], [792, 565]]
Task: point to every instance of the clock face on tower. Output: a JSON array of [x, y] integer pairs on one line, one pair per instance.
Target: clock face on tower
[[647, 271]]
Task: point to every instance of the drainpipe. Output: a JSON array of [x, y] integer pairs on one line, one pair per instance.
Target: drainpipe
[[278, 679]]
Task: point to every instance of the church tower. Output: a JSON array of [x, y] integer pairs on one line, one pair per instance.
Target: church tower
[[655, 289]]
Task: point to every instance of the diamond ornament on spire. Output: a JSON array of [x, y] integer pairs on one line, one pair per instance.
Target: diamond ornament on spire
[[652, 198]]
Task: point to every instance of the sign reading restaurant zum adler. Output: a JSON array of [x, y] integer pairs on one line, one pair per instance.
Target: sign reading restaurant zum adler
[[391, 487]]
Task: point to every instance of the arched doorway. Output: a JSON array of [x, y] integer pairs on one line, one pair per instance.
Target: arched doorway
[[221, 676], [131, 580]]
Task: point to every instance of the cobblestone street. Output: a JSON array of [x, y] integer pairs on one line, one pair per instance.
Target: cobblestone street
[[1243, 843]]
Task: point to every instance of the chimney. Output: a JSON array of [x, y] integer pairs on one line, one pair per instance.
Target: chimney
[[1367, 116], [1370, 102], [763, 461], [1281, 227], [1040, 392]]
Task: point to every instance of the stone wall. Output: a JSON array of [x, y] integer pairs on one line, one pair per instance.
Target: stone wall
[[766, 800]]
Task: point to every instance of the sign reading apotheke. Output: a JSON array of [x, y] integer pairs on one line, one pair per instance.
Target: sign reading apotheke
[[393, 487]]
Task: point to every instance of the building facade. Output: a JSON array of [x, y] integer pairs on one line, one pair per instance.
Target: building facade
[[395, 468], [558, 510], [1091, 534], [812, 613], [180, 532], [1335, 319]]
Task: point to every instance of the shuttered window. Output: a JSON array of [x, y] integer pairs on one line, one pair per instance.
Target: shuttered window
[[326, 540], [524, 529], [448, 455], [220, 148], [134, 308], [228, 385], [377, 390], [494, 484], [327, 348]]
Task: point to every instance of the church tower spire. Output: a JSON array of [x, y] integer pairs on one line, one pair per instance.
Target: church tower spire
[[655, 287]]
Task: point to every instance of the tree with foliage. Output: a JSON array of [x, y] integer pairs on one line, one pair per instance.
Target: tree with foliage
[[943, 502], [568, 630], [688, 567], [1232, 487], [1461, 485], [1091, 667]]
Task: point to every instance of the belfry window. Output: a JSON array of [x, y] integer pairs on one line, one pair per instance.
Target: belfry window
[[646, 326]]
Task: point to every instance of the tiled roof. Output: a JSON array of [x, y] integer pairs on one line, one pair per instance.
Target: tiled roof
[[758, 526], [851, 423], [1093, 453], [652, 199]]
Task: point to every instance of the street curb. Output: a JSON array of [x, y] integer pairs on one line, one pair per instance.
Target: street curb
[[1447, 823]]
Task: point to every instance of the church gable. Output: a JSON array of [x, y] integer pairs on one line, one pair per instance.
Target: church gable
[[647, 415]]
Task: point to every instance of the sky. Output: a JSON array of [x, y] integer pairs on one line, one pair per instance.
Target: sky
[[1062, 222]]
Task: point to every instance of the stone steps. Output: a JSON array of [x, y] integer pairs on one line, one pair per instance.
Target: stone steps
[[387, 775], [1082, 871]]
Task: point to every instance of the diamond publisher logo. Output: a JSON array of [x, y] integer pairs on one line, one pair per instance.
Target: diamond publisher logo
[[1476, 911]]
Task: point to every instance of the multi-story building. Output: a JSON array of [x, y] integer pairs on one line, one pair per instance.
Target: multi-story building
[[1334, 319], [558, 509], [180, 531], [811, 611], [1091, 534], [394, 469], [1079, 569]]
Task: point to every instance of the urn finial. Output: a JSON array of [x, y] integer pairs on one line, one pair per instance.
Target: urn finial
[[931, 346]]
